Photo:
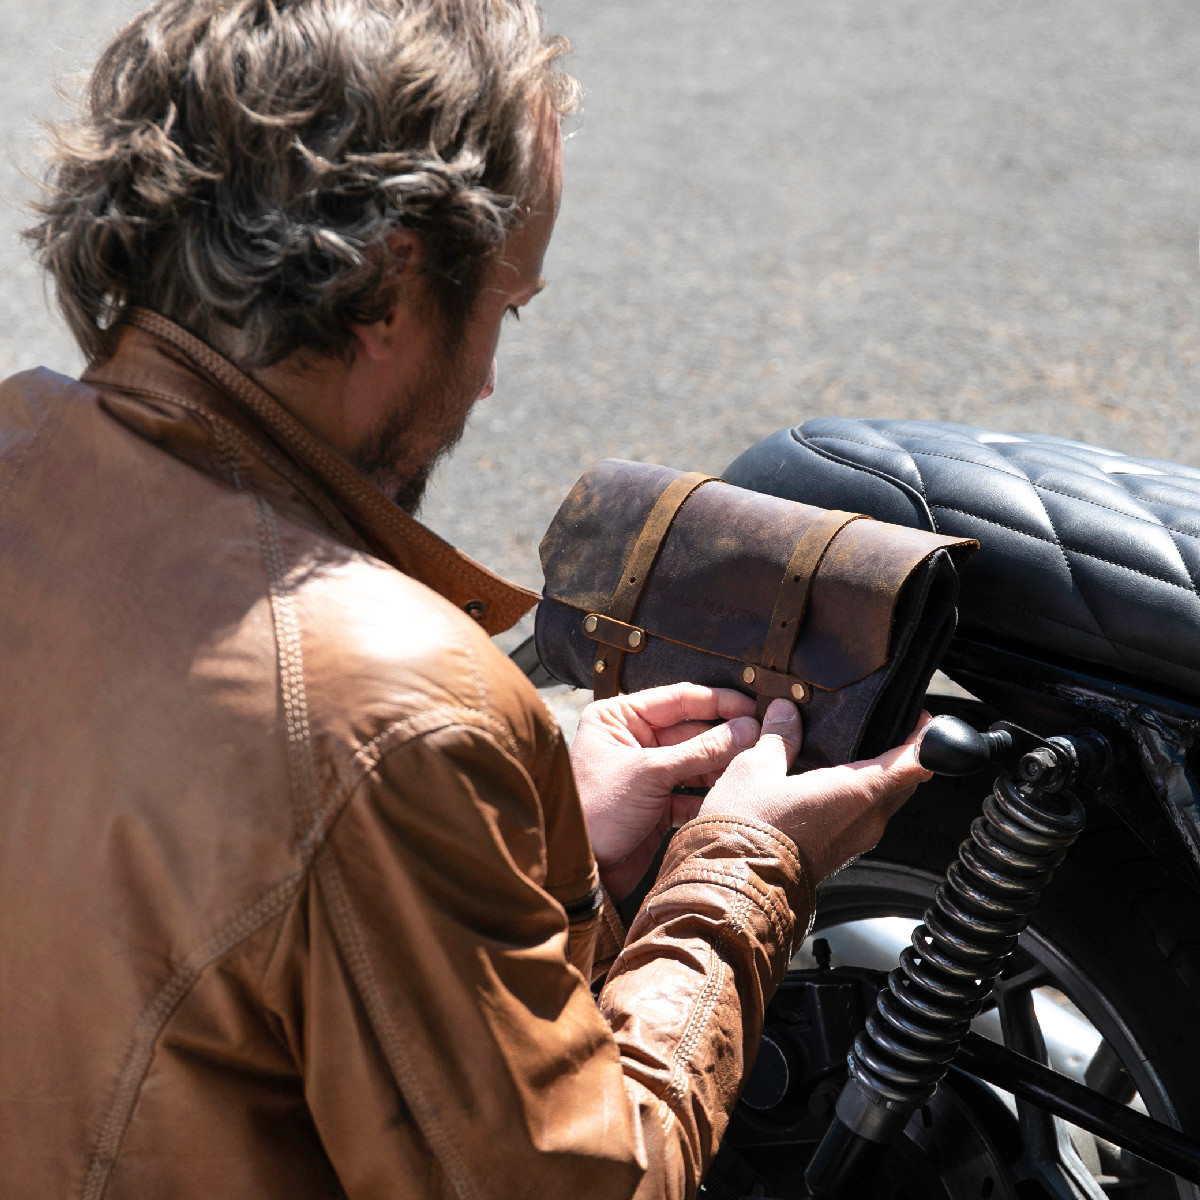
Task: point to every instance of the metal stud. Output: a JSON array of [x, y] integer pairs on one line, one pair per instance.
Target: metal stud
[[475, 608], [749, 675], [590, 623], [601, 666], [799, 693], [635, 638]]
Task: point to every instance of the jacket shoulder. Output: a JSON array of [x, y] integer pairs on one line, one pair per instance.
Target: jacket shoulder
[[380, 649]]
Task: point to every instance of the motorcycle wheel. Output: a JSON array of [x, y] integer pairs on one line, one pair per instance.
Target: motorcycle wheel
[[1115, 933]]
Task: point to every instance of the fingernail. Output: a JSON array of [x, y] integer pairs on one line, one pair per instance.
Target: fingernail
[[781, 712], [744, 731]]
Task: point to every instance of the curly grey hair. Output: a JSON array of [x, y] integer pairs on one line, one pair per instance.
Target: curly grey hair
[[239, 164]]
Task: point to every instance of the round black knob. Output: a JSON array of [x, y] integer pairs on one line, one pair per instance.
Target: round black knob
[[949, 746]]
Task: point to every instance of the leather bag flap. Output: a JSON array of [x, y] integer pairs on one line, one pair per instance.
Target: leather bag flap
[[716, 580]]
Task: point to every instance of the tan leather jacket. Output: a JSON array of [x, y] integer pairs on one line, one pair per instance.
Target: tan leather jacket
[[296, 897]]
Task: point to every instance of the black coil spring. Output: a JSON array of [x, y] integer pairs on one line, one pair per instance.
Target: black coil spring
[[968, 933]]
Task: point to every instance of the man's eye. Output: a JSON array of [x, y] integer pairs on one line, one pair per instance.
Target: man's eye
[[514, 312]]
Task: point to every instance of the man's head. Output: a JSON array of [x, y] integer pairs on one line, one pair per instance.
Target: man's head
[[271, 175]]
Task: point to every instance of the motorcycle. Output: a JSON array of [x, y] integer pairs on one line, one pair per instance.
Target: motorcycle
[[1002, 1000]]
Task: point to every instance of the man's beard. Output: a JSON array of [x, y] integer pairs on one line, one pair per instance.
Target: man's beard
[[399, 456]]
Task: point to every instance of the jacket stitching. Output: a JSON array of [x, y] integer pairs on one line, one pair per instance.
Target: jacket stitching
[[715, 977], [677, 1085], [422, 1105], [289, 653], [368, 756], [155, 1016], [742, 824], [480, 690], [691, 867], [742, 885], [269, 458], [612, 919], [260, 403], [576, 886]]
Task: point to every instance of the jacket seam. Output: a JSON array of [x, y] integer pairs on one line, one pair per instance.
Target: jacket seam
[[155, 1017], [741, 825], [577, 887], [289, 655], [742, 885], [405, 1077], [271, 459], [676, 1086], [367, 757], [225, 374]]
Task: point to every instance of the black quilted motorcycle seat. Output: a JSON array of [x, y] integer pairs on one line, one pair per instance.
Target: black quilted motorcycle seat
[[1085, 552]]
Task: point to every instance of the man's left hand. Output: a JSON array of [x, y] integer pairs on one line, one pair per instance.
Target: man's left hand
[[631, 752]]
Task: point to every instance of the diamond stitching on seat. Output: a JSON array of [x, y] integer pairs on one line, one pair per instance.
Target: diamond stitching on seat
[[907, 452]]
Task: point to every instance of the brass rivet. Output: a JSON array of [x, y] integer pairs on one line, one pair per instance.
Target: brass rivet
[[635, 638], [748, 675], [590, 624], [475, 608], [601, 666], [799, 692]]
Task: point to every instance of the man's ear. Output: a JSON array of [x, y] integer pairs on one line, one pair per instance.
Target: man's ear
[[405, 256]]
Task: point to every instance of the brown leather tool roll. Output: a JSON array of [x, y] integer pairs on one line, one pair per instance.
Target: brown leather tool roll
[[654, 576]]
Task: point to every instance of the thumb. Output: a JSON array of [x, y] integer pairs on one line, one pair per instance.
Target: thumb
[[781, 736], [708, 753]]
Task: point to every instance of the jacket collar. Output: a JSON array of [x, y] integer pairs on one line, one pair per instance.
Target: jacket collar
[[153, 354]]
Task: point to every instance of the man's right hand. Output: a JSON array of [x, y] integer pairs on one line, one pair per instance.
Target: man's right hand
[[833, 815]]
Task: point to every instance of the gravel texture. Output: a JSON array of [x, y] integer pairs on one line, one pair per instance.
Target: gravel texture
[[958, 209]]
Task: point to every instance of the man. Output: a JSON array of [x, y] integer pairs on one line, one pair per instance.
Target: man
[[298, 897]]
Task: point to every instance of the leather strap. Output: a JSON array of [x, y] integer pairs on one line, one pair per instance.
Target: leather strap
[[617, 634], [792, 600], [606, 669]]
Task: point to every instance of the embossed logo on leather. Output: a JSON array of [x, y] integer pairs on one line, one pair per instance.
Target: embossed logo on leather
[[716, 610]]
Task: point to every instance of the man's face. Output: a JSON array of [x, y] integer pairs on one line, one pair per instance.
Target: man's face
[[453, 368]]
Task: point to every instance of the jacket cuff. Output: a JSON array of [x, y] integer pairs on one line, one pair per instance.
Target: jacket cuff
[[751, 858]]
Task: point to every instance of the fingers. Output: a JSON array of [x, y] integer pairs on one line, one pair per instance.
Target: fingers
[[779, 742], [678, 702], [705, 754], [883, 782], [674, 734]]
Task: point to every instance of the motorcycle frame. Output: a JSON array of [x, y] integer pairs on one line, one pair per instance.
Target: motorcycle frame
[[1151, 786]]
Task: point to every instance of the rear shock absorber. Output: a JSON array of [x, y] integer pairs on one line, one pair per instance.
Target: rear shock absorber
[[964, 942]]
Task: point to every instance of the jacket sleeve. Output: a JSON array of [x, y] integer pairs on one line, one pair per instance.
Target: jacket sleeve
[[447, 1041]]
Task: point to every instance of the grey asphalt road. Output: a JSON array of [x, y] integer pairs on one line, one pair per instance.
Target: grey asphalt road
[[962, 209]]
